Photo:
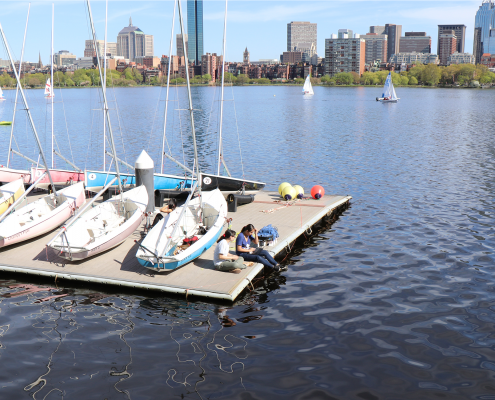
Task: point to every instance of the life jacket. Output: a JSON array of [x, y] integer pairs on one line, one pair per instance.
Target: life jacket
[[190, 240]]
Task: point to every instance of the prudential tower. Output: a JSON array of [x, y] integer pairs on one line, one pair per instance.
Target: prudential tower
[[484, 31]]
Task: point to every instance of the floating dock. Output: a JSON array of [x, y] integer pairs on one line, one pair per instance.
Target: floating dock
[[120, 267]]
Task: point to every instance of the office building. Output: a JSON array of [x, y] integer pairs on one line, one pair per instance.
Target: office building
[[132, 43], [209, 63], [414, 58], [375, 47], [447, 45], [63, 58], [180, 46], [344, 34], [393, 33], [89, 48], [482, 25], [148, 61], [379, 30], [195, 30], [302, 36], [292, 57], [344, 55], [460, 34], [460, 58], [415, 42]]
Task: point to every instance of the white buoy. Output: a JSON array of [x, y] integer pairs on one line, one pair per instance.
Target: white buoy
[[145, 168]]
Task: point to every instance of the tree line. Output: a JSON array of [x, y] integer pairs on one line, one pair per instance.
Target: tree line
[[421, 74]]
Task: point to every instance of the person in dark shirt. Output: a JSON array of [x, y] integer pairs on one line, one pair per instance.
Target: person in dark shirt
[[166, 209], [243, 249]]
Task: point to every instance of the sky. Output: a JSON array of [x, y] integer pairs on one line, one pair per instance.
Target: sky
[[261, 26]]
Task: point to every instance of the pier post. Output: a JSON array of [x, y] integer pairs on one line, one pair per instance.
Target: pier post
[[145, 168]]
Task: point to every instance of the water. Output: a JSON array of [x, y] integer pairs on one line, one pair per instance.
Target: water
[[394, 300]]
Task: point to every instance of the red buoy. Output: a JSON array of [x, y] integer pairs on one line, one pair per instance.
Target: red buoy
[[317, 192]]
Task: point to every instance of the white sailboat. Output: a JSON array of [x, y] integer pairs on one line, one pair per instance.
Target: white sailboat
[[389, 95], [307, 88], [1, 95], [49, 90], [162, 249], [108, 224]]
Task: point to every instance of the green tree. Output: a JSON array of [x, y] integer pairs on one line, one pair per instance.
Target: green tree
[[263, 81], [299, 81], [431, 74], [206, 78], [413, 80], [58, 78], [344, 78], [242, 79], [33, 81], [404, 80], [69, 82]]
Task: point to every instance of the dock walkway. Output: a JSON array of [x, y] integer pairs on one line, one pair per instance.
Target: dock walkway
[[120, 267]]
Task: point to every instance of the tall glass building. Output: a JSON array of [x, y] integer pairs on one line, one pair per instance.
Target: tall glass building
[[195, 30], [483, 23]]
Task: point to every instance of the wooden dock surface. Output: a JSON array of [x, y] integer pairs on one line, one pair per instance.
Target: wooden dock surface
[[119, 265]]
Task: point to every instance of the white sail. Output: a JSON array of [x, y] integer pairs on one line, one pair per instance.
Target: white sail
[[389, 90], [1, 94], [307, 88], [48, 89]]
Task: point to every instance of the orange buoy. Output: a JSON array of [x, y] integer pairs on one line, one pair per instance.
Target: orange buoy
[[317, 192]]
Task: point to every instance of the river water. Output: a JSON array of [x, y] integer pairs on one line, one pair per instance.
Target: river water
[[393, 300]]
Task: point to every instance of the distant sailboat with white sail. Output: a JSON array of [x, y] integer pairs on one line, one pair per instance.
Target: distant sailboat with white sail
[[1, 95], [389, 95], [48, 89], [307, 88]]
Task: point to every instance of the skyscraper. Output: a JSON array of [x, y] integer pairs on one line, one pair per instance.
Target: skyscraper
[[393, 33], [302, 36], [483, 22], [180, 47], [132, 43], [195, 30], [460, 34], [415, 42], [447, 45]]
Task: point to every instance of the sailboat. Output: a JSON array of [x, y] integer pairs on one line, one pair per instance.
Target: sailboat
[[227, 184], [1, 95], [109, 223], [45, 214], [204, 216], [388, 95], [307, 88], [9, 193], [48, 89]]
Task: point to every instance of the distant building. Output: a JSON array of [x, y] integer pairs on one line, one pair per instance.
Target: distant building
[[379, 30], [84, 63], [393, 33], [148, 61], [292, 57], [344, 55], [460, 58], [209, 63], [63, 58], [267, 61], [195, 30], [89, 48], [376, 47], [245, 56], [415, 42], [302, 36], [483, 22], [488, 60], [447, 45], [40, 64], [180, 46], [344, 34], [460, 34], [414, 58], [132, 43]]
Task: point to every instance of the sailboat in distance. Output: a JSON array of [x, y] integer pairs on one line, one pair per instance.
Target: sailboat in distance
[[307, 88], [1, 95], [389, 95], [49, 90]]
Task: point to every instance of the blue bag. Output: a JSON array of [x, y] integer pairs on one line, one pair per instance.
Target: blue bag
[[268, 232]]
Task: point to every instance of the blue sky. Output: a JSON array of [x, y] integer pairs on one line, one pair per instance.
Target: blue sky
[[259, 25]]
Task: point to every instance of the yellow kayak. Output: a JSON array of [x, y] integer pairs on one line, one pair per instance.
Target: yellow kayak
[[5, 122], [10, 193]]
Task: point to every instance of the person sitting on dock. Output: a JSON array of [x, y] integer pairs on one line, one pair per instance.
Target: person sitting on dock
[[166, 209], [244, 249], [223, 260]]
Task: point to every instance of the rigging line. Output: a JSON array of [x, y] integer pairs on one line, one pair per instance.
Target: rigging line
[[90, 141], [209, 116], [153, 122], [180, 128], [65, 119], [120, 127], [238, 136]]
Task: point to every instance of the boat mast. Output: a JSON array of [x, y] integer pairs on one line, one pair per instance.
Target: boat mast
[[17, 88], [223, 80], [105, 104], [51, 84], [196, 161], [168, 86], [27, 108], [105, 87]]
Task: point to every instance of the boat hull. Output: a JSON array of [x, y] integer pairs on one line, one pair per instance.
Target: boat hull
[[75, 198], [16, 190], [228, 185], [10, 175], [60, 177]]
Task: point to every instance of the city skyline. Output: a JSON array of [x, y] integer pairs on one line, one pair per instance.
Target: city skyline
[[246, 26]]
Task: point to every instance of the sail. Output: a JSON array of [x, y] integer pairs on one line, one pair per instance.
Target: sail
[[48, 89], [388, 89], [1, 93], [307, 88]]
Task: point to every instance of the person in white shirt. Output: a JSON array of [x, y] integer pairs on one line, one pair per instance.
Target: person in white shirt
[[223, 260]]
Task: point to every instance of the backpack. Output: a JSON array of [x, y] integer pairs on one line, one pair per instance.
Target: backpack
[[268, 232], [190, 240]]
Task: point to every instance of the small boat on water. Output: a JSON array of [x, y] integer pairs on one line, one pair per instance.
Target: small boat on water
[[10, 175], [41, 216], [163, 249], [308, 88], [389, 95], [60, 177], [2, 96], [48, 89], [10, 193], [5, 122]]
